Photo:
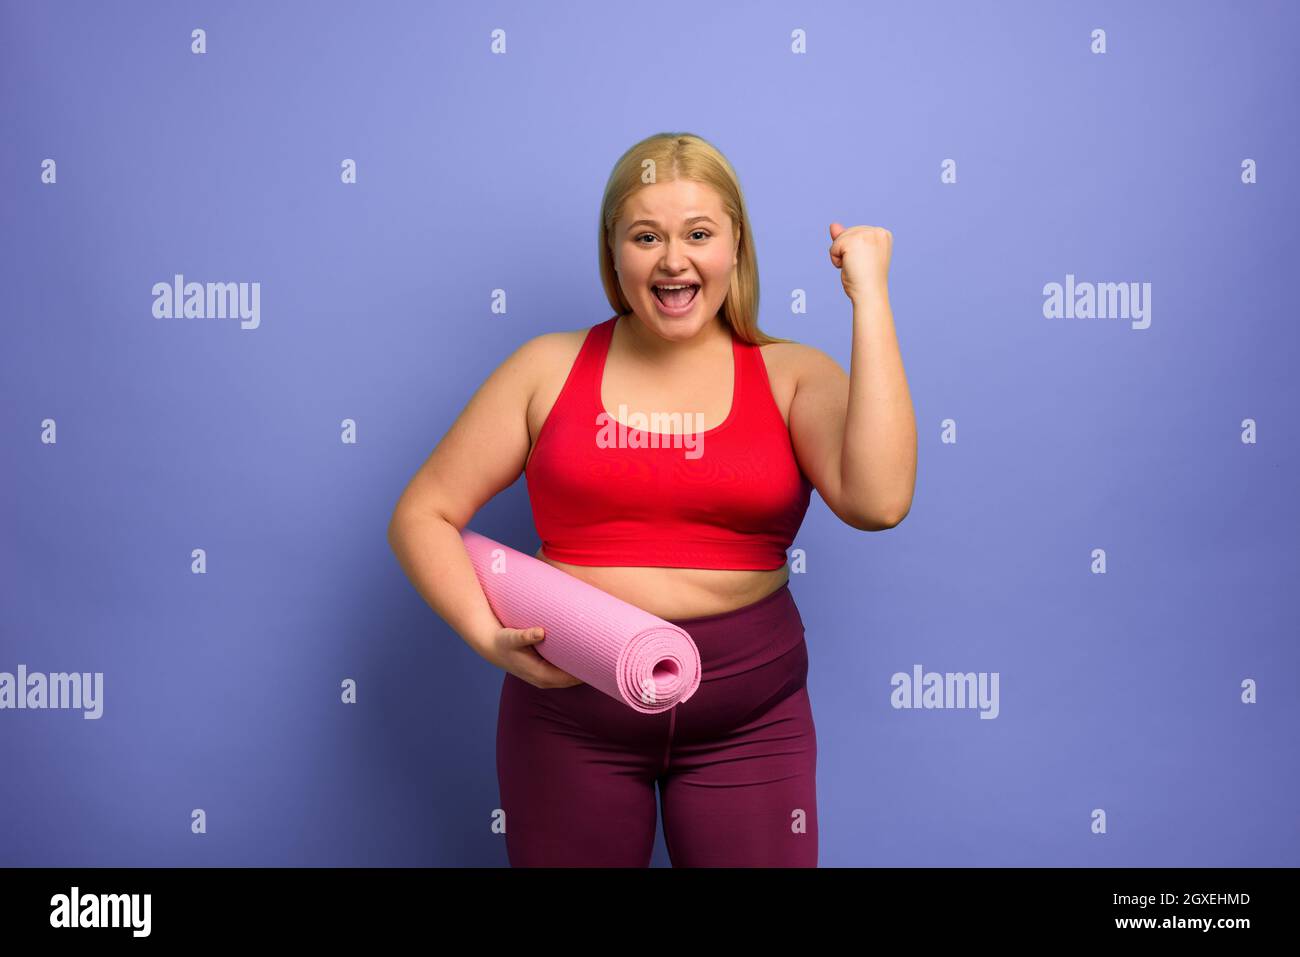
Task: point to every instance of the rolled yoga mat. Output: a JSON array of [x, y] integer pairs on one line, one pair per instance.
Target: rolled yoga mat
[[620, 649]]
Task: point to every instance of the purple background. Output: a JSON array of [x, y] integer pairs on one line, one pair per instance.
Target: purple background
[[1118, 691]]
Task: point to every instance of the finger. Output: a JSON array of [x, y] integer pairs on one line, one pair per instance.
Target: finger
[[837, 247], [530, 636], [547, 674], [543, 670], [836, 229]]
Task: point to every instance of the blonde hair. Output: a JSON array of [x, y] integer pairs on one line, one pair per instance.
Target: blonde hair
[[685, 156]]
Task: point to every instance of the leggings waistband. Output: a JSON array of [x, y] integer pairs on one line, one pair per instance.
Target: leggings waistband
[[734, 641]]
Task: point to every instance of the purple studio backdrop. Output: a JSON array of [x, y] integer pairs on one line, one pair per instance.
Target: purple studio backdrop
[[1105, 520]]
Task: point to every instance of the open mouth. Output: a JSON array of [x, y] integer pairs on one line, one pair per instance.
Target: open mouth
[[676, 295]]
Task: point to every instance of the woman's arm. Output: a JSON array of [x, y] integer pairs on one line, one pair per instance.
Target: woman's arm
[[855, 435], [483, 452]]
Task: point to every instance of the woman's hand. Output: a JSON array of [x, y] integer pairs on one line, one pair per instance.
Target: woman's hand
[[861, 254], [512, 650]]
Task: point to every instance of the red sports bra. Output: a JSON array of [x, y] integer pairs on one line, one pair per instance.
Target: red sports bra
[[604, 493]]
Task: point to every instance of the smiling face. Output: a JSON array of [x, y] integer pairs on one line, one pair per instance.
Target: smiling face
[[672, 234]]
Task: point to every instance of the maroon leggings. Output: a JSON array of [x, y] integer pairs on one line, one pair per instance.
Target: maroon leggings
[[735, 765]]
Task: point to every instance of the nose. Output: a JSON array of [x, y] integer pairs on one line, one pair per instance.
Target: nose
[[674, 260]]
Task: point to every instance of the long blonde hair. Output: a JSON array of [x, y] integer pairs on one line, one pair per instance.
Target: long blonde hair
[[668, 157]]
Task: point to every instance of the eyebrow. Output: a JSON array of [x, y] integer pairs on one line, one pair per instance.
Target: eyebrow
[[651, 222]]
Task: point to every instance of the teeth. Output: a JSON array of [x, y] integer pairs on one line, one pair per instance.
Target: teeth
[[685, 285]]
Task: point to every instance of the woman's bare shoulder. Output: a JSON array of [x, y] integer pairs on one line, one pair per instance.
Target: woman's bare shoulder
[[791, 361], [561, 340], [550, 356], [553, 352]]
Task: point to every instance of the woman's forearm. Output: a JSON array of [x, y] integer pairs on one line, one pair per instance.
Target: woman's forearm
[[432, 553], [878, 461]]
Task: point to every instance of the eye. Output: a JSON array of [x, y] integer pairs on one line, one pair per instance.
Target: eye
[[640, 236]]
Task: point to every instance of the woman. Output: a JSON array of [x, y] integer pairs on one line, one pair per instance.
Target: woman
[[682, 501]]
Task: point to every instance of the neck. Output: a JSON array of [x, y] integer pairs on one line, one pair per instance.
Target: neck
[[644, 343]]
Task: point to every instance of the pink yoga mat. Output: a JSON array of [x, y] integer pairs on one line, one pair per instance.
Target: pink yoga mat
[[620, 649]]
